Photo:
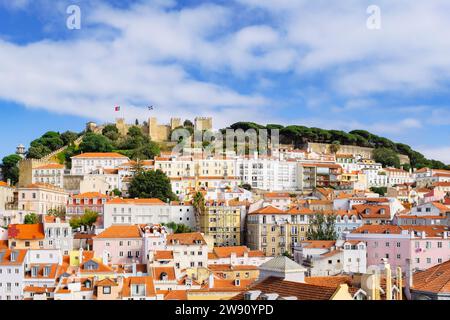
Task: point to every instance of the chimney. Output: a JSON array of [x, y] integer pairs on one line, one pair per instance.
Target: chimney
[[400, 283], [80, 256], [211, 280], [134, 268], [409, 279], [388, 270], [105, 256], [8, 182]]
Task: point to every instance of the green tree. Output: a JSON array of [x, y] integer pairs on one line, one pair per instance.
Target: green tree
[[178, 228], [59, 213], [151, 184], [322, 227], [117, 192], [188, 123], [387, 157], [10, 169], [38, 151], [111, 132], [380, 190], [95, 143], [31, 218], [88, 219], [69, 137]]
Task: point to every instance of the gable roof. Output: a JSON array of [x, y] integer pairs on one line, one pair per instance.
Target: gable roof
[[26, 231], [281, 264], [99, 155], [302, 291], [435, 279], [185, 238], [268, 210], [150, 201], [120, 231], [147, 281]]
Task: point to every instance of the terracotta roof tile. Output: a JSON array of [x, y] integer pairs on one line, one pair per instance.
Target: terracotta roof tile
[[120, 231], [302, 291], [99, 155], [185, 238], [26, 231]]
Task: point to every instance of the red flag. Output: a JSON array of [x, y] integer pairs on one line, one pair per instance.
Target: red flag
[[117, 108]]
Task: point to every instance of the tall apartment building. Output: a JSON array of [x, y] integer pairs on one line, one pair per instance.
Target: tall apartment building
[[40, 198], [146, 211], [87, 163], [276, 231], [222, 222], [52, 173], [184, 166]]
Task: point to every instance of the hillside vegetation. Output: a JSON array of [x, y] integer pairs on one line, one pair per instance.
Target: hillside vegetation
[[385, 148]]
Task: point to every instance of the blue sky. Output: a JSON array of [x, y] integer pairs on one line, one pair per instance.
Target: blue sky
[[303, 62]]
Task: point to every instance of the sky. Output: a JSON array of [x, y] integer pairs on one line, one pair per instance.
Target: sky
[[304, 62]]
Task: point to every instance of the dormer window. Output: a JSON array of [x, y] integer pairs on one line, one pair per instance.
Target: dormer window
[[382, 211], [47, 270], [34, 271], [367, 211]]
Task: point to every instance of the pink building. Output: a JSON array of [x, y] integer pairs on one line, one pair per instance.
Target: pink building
[[120, 244], [425, 246]]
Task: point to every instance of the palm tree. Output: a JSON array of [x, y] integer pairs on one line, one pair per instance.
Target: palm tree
[[200, 207]]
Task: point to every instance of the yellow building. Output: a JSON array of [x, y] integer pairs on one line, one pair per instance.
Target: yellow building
[[233, 272], [275, 231], [187, 166], [222, 222]]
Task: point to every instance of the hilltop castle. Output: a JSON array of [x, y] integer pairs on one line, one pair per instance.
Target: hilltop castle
[[157, 132]]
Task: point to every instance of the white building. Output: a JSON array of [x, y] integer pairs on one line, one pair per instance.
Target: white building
[[147, 211], [329, 258], [52, 173], [86, 163], [58, 235], [40, 198], [12, 273]]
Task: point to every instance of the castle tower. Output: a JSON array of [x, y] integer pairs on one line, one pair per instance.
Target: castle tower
[[175, 123], [153, 128], [121, 126], [91, 126], [203, 123], [20, 150]]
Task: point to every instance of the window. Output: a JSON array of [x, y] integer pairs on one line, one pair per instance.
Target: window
[[387, 244], [330, 261], [439, 244], [398, 244], [106, 290], [428, 260]]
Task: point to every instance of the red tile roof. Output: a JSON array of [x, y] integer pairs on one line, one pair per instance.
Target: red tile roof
[[120, 231], [152, 201], [26, 231], [302, 291], [99, 155], [435, 279], [185, 238], [268, 210]]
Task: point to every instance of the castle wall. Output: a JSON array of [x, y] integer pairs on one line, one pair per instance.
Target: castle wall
[[354, 150]]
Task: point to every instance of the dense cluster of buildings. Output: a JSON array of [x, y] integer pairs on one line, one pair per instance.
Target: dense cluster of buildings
[[253, 240]]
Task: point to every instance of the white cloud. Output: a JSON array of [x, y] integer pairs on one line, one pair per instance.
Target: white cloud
[[143, 64], [440, 153]]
